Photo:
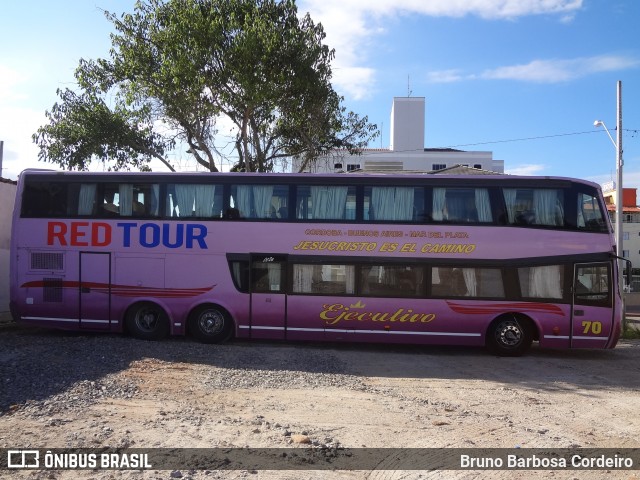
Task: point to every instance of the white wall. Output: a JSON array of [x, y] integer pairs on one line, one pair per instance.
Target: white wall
[[407, 124], [7, 200], [419, 161]]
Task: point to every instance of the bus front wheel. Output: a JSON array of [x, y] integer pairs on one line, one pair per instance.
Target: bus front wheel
[[210, 324], [509, 336], [147, 321]]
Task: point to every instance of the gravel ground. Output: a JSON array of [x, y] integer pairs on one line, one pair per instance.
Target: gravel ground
[[63, 390]]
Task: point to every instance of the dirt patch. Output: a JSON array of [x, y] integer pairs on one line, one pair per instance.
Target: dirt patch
[[62, 390]]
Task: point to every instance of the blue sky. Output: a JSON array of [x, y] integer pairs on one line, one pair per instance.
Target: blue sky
[[524, 79]]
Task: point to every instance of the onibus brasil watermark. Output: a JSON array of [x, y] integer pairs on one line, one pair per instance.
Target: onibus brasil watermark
[[34, 459], [575, 461], [318, 458]]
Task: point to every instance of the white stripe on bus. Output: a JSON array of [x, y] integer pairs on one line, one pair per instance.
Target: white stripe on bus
[[566, 337], [338, 330], [70, 320]]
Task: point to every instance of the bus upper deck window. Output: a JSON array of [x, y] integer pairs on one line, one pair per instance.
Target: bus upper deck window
[[461, 205]]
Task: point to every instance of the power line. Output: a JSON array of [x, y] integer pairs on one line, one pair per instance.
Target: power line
[[632, 131], [542, 137], [525, 139]]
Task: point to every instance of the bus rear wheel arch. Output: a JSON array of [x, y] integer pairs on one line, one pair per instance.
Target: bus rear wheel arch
[[510, 335], [147, 321], [210, 323]]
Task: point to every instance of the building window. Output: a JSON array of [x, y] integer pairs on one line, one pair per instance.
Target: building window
[[351, 168], [478, 166], [438, 166], [625, 235], [625, 253]]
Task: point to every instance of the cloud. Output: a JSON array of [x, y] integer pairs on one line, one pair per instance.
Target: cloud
[[631, 177], [9, 80], [350, 26], [554, 71], [490, 9], [445, 76], [17, 125], [526, 169], [543, 71], [354, 81]]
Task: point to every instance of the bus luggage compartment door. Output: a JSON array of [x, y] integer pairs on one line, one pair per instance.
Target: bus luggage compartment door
[[592, 312], [95, 290], [268, 298]]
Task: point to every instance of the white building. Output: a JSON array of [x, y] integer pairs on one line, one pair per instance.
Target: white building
[[7, 199], [406, 150]]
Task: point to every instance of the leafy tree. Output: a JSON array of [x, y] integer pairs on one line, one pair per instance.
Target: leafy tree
[[178, 66]]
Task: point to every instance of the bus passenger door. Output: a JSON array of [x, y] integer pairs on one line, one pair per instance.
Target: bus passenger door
[[592, 312], [268, 299], [95, 290]]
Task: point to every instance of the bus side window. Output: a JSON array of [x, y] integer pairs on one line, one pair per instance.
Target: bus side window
[[447, 282], [392, 280], [283, 213], [328, 279], [110, 209], [461, 205], [325, 202], [267, 277], [467, 282], [191, 200], [394, 203], [589, 214], [535, 206], [45, 199], [592, 284], [240, 274], [82, 199], [260, 280], [542, 282], [258, 201]]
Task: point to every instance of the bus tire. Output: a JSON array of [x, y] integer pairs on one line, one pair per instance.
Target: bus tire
[[210, 324], [147, 321], [509, 335]]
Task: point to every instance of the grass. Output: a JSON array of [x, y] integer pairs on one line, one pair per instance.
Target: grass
[[630, 332]]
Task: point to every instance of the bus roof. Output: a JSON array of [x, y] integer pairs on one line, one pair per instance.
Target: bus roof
[[314, 178]]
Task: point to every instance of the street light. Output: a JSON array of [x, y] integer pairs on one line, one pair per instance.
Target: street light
[[600, 123], [618, 146]]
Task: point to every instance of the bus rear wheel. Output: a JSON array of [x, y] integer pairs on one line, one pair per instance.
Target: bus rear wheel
[[147, 321], [210, 324], [509, 336]]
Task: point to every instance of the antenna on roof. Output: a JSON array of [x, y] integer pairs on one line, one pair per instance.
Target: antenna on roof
[[408, 86]]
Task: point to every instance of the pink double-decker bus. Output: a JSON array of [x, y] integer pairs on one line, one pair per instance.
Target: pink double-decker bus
[[500, 261]]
